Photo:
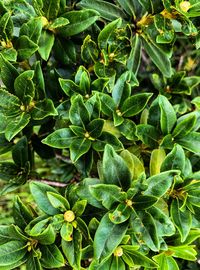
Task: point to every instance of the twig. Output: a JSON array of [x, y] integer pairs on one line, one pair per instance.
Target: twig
[[50, 182]]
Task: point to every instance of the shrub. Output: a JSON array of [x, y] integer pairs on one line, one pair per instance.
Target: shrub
[[100, 118]]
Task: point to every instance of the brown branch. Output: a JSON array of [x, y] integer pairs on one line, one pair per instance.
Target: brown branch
[[50, 182]]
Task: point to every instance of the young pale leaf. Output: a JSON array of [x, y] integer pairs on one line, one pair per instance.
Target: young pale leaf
[[175, 160], [16, 125], [39, 192], [134, 164], [107, 237], [166, 262], [157, 157], [43, 109], [106, 10], [45, 44], [61, 138], [168, 115], [106, 33], [24, 87], [11, 252], [184, 252], [66, 231], [182, 220], [79, 20], [118, 172], [51, 257], [159, 184]]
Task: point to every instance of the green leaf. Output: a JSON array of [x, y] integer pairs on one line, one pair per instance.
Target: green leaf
[[157, 157], [122, 88], [168, 115], [135, 104], [73, 250], [58, 201], [107, 194], [107, 138], [39, 82], [10, 104], [190, 142], [11, 233], [43, 109], [159, 184], [138, 258], [184, 252], [143, 201], [106, 33], [106, 10], [21, 213], [78, 112], [8, 73], [160, 59], [39, 192], [128, 129], [144, 227], [79, 207], [24, 87], [69, 87], [107, 104], [11, 252], [165, 262], [33, 263], [6, 26], [175, 160], [51, 257], [20, 152], [148, 134], [182, 220], [51, 8], [79, 20], [45, 44], [61, 138], [164, 225], [120, 214], [16, 125], [95, 127], [66, 231], [43, 232], [32, 29], [89, 51], [25, 48], [79, 147], [134, 59], [107, 237], [58, 22], [118, 172]]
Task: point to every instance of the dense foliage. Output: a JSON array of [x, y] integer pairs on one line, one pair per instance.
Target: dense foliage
[[100, 120]]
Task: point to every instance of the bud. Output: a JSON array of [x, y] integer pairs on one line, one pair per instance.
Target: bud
[[185, 6], [118, 252], [69, 216]]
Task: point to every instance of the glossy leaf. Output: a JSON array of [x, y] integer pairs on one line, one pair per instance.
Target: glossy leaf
[[51, 257]]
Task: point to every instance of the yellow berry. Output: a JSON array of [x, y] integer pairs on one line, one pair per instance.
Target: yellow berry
[[118, 252], [69, 216], [185, 6]]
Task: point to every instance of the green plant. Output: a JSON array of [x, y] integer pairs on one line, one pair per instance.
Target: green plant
[[100, 119]]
